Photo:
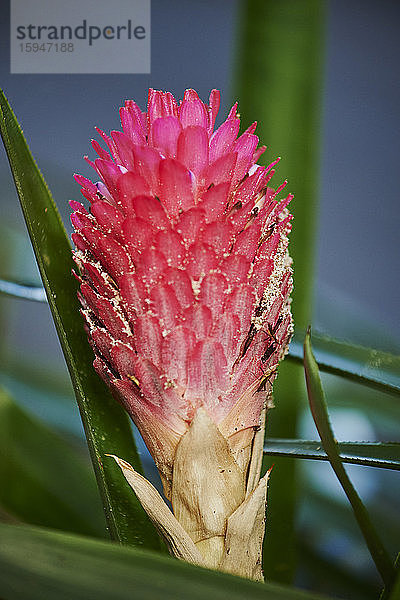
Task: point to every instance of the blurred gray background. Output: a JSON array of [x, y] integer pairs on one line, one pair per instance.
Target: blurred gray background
[[193, 45]]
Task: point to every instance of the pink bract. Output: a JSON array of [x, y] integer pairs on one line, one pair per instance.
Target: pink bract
[[184, 270]]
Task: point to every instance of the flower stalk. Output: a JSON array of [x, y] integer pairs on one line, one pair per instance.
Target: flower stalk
[[185, 282]]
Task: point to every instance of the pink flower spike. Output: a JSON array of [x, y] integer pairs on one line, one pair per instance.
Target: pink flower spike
[[241, 302], [113, 256], [184, 282], [250, 187], [280, 188], [102, 283], [80, 242], [89, 162], [236, 268], [151, 265], [271, 165], [80, 220], [227, 331]]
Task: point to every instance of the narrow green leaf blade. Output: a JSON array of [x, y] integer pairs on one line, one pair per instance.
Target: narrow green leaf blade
[[395, 592], [25, 291], [368, 454], [43, 479], [395, 595], [320, 414], [278, 83], [368, 366], [106, 425], [43, 565]]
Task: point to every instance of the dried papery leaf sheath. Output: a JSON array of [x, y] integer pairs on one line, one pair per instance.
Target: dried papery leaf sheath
[[185, 289]]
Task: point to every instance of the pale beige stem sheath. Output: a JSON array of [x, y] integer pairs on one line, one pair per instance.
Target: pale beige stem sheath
[[219, 509]]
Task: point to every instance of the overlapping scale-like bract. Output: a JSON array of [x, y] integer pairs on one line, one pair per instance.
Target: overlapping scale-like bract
[[184, 270]]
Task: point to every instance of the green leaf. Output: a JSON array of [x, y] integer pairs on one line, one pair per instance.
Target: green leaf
[[43, 479], [25, 291], [368, 366], [106, 425], [395, 593], [319, 411], [369, 454], [278, 83], [44, 565]]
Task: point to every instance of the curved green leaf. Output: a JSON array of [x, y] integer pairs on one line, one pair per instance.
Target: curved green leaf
[[25, 291], [395, 593], [106, 425], [319, 411], [368, 366], [369, 454], [43, 565], [43, 479]]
